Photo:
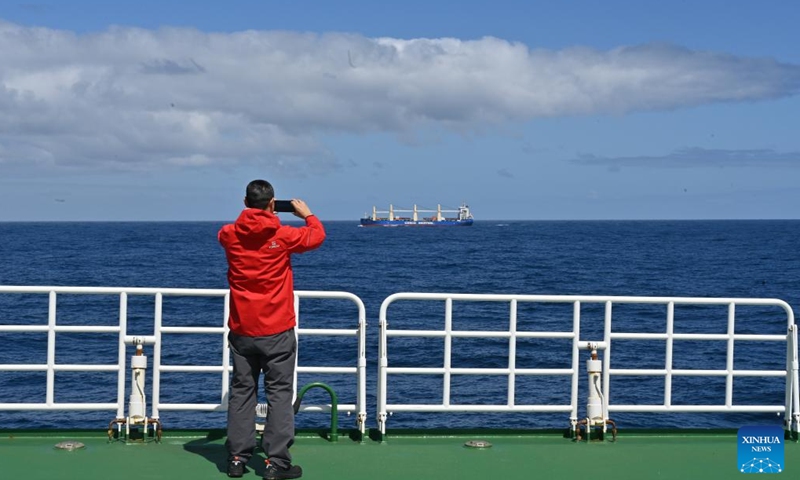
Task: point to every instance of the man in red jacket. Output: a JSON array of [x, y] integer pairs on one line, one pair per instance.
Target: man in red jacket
[[261, 322]]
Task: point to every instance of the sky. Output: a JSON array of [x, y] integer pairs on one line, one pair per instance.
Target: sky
[[525, 110]]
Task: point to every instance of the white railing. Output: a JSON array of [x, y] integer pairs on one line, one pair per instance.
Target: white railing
[[223, 368], [360, 370], [790, 408]]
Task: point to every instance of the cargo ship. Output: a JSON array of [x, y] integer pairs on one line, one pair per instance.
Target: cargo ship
[[394, 217]]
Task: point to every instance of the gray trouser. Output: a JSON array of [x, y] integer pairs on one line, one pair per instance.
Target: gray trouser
[[275, 356]]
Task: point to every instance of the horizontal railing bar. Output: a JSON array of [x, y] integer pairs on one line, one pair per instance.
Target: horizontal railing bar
[[211, 407], [587, 299], [10, 367], [310, 369], [216, 369], [59, 328], [329, 294], [697, 408], [187, 292], [58, 406], [140, 339], [219, 330], [202, 407], [60, 368], [332, 332], [192, 368], [85, 329], [477, 334], [85, 368], [699, 373], [478, 371], [327, 408], [697, 336], [760, 338], [24, 328], [620, 335], [477, 408]]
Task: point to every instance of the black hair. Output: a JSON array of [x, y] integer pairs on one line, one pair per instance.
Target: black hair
[[259, 193]]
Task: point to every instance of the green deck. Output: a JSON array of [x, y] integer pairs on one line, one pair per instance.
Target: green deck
[[201, 455]]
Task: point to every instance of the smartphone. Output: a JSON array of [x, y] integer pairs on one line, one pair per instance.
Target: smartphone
[[284, 206]]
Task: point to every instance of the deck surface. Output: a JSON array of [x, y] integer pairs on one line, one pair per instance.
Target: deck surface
[[201, 455]]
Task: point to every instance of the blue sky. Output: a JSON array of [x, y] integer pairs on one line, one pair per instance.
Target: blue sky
[[530, 110]]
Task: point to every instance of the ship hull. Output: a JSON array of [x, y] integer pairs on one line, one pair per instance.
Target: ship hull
[[368, 222]]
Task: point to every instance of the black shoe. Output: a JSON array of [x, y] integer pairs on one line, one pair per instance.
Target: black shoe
[[235, 467], [276, 473]]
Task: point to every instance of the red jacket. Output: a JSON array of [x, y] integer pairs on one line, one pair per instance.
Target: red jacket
[[258, 248]]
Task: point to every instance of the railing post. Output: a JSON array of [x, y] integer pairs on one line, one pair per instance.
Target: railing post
[[729, 365], [512, 352], [576, 332], [362, 369], [448, 350], [123, 324], [383, 364], [792, 418], [157, 320], [668, 354]]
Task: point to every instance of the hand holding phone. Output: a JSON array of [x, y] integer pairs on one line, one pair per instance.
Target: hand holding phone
[[284, 206]]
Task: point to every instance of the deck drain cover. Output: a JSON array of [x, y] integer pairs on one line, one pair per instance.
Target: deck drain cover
[[70, 445], [478, 444]]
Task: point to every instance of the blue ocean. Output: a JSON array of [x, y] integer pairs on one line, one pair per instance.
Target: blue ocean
[[758, 259]]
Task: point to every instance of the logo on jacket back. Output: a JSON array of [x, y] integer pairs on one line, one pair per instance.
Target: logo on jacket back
[[760, 450], [274, 244]]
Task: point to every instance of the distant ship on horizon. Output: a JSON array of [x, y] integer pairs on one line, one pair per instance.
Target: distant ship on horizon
[[463, 217]]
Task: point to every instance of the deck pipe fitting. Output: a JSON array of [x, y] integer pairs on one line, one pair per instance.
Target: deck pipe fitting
[[137, 401], [596, 415]]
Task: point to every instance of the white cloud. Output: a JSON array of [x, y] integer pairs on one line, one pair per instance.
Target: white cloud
[[137, 98], [503, 172], [698, 158]]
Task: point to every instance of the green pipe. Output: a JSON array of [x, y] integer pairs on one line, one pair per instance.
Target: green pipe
[[334, 436]]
